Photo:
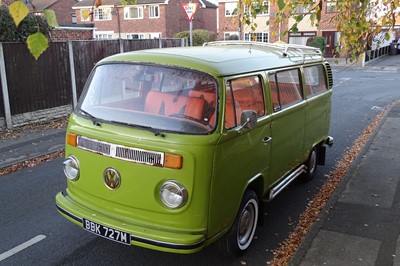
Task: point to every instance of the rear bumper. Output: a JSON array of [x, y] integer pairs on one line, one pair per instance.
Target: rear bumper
[[329, 141], [144, 236]]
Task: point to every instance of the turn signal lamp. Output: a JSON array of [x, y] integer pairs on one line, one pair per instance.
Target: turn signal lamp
[[173, 161], [72, 139]]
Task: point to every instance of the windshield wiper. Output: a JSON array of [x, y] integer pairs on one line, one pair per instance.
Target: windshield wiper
[[152, 130], [91, 117]]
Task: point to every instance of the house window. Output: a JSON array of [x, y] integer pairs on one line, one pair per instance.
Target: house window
[[154, 11], [262, 11], [330, 6], [230, 9], [135, 12], [301, 9], [73, 18], [102, 14], [135, 36], [256, 36], [85, 14], [103, 35], [301, 37], [231, 36]]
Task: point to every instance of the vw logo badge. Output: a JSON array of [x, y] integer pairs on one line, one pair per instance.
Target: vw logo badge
[[112, 179]]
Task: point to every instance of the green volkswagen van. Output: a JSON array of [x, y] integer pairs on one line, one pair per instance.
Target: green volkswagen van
[[172, 149]]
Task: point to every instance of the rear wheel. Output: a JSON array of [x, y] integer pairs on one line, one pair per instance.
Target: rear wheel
[[311, 165], [239, 238]]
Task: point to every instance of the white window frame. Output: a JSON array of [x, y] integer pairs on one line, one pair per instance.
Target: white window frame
[[265, 13], [260, 36], [230, 9], [131, 35], [154, 11], [103, 35], [301, 9], [128, 14], [102, 14]]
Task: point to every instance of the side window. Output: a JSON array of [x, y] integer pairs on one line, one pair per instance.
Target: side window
[[243, 94], [315, 80], [285, 89]]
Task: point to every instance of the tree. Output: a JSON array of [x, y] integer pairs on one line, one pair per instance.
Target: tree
[[9, 32], [356, 20], [199, 36], [37, 41]]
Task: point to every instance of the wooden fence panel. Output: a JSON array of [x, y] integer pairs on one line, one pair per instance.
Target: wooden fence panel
[[46, 83], [37, 84], [140, 44], [171, 43]]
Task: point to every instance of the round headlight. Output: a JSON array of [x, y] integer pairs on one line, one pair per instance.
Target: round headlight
[[173, 194], [71, 168]]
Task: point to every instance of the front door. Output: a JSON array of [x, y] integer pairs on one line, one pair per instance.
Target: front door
[[242, 154], [330, 43]]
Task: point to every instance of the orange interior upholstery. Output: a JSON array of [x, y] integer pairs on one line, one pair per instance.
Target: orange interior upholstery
[[211, 100], [169, 104], [208, 96], [230, 113], [195, 107], [250, 99]]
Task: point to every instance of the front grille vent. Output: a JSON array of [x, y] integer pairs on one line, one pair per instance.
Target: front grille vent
[[140, 156], [94, 145], [121, 152]]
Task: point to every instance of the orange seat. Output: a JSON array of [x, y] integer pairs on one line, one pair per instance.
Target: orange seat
[[168, 104]]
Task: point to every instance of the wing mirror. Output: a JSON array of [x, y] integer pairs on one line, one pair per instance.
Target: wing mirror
[[248, 120]]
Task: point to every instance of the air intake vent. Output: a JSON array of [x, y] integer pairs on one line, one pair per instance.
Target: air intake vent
[[94, 145], [140, 156], [121, 152], [330, 76]]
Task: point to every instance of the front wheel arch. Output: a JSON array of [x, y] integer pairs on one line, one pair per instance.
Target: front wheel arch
[[241, 234]]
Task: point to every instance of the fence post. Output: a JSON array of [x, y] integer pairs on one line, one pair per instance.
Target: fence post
[[160, 43], [4, 86], [72, 70], [121, 45]]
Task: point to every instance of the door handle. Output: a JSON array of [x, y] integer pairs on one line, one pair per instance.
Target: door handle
[[267, 139]]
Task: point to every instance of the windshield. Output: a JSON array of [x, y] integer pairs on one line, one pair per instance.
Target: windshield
[[153, 97]]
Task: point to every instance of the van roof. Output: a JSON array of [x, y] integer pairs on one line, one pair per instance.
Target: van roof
[[225, 58]]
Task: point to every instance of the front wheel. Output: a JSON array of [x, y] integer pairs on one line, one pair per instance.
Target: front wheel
[[239, 238]]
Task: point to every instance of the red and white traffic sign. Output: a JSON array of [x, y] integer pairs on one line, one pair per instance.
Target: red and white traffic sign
[[190, 9]]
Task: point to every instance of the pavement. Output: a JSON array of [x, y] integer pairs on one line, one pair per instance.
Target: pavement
[[28, 144], [360, 225]]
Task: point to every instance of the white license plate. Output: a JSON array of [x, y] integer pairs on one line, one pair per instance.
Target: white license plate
[[107, 232]]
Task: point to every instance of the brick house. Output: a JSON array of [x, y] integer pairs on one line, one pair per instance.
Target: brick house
[[66, 18], [146, 19], [63, 8], [228, 25]]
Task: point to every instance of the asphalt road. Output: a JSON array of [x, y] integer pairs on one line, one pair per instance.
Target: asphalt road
[[32, 232]]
